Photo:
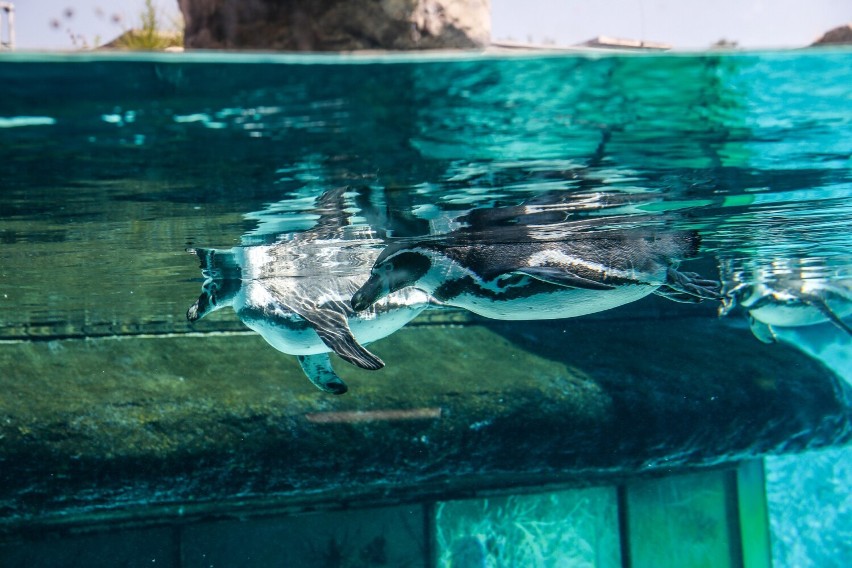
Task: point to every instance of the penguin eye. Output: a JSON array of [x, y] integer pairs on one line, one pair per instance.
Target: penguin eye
[[388, 267]]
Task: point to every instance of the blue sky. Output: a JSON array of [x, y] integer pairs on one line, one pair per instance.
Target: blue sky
[[683, 23]]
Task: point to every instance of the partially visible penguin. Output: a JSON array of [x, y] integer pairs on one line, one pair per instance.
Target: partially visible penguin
[[295, 294], [540, 272], [783, 295]]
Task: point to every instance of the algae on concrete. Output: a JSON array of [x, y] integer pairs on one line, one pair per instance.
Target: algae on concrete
[[101, 426]]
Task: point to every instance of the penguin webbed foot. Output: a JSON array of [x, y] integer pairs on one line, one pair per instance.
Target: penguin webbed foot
[[692, 284], [677, 296], [318, 369]]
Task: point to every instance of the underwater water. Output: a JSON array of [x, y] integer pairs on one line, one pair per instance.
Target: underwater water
[[505, 274]]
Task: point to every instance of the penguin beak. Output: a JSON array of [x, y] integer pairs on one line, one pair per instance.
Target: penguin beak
[[371, 292]]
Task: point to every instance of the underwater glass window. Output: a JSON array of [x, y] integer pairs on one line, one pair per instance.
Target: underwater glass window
[[682, 522], [565, 528]]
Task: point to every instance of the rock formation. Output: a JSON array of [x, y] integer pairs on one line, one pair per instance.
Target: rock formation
[[336, 25], [841, 35], [182, 421]]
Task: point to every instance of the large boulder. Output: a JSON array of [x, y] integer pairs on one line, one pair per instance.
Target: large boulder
[[336, 25]]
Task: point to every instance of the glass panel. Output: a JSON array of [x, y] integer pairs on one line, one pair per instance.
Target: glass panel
[[810, 508], [371, 537], [133, 548], [753, 516], [679, 522], [577, 528]]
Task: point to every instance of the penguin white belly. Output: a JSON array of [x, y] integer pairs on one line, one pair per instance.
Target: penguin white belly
[[290, 341], [292, 335], [283, 330], [797, 315], [388, 315], [567, 303]]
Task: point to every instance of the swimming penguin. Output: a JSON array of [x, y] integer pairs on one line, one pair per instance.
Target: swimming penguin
[[551, 272], [783, 297], [295, 294]]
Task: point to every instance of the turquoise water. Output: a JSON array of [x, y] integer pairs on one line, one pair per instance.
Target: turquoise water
[[300, 171]]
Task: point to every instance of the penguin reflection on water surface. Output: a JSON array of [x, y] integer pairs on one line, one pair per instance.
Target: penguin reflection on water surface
[[295, 293], [531, 272]]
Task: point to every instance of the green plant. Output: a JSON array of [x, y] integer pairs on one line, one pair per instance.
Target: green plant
[[152, 31], [151, 34]]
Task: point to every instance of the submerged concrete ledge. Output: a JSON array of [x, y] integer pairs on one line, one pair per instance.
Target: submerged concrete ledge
[[110, 428]]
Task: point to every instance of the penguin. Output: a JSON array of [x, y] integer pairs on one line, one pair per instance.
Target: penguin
[[295, 293], [788, 299], [519, 272]]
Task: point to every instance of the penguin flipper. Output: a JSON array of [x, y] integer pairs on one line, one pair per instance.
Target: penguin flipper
[[333, 329], [561, 277], [318, 369], [762, 331]]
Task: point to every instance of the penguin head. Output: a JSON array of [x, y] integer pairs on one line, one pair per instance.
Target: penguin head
[[215, 294], [393, 270]]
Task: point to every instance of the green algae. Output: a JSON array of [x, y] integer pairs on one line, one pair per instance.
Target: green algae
[[112, 423]]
